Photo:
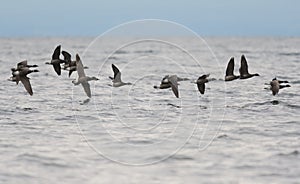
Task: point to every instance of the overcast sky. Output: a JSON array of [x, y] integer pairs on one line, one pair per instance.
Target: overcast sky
[[93, 17]]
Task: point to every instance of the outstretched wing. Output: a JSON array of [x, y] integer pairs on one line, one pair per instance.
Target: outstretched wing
[[22, 64], [165, 80], [174, 85], [87, 89], [25, 81], [56, 53], [57, 68], [67, 56], [203, 77], [79, 67], [284, 86], [230, 67], [70, 72], [201, 87], [283, 81], [117, 73], [244, 66]]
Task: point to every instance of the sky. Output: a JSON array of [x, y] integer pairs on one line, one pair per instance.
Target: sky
[[36, 18]]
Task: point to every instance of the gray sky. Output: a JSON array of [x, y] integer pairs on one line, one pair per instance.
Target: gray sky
[[93, 17]]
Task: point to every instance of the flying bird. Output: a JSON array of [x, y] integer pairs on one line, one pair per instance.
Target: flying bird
[[82, 78], [201, 83], [244, 74], [20, 74], [69, 65], [23, 64], [229, 71], [276, 85], [169, 81], [117, 81], [56, 61]]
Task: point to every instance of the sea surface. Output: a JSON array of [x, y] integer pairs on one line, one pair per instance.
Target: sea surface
[[237, 132]]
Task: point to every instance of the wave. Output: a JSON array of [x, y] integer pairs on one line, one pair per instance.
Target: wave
[[292, 153], [176, 157], [173, 105], [143, 142], [144, 51], [223, 136], [295, 82], [289, 53], [181, 157], [272, 102], [121, 52], [113, 58], [43, 160]]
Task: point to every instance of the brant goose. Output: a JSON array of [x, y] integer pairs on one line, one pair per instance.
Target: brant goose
[[82, 78], [117, 82], [169, 81], [201, 83], [244, 74], [276, 85], [229, 71], [56, 61]]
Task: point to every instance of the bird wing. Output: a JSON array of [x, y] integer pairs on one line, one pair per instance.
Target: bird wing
[[70, 72], [22, 64], [283, 81], [244, 66], [230, 67], [57, 68], [67, 56], [284, 86], [87, 89], [165, 80], [117, 73], [203, 76], [17, 78], [27, 85], [201, 87], [174, 85], [56, 53], [79, 67]]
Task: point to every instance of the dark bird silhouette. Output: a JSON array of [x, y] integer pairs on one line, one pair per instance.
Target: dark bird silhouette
[[244, 74], [56, 61], [23, 68], [169, 81], [20, 74], [23, 64], [201, 83], [229, 71], [69, 65]]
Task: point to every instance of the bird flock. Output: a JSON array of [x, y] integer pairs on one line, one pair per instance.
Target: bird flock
[[169, 81]]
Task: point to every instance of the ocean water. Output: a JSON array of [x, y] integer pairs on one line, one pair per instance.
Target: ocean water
[[237, 132]]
